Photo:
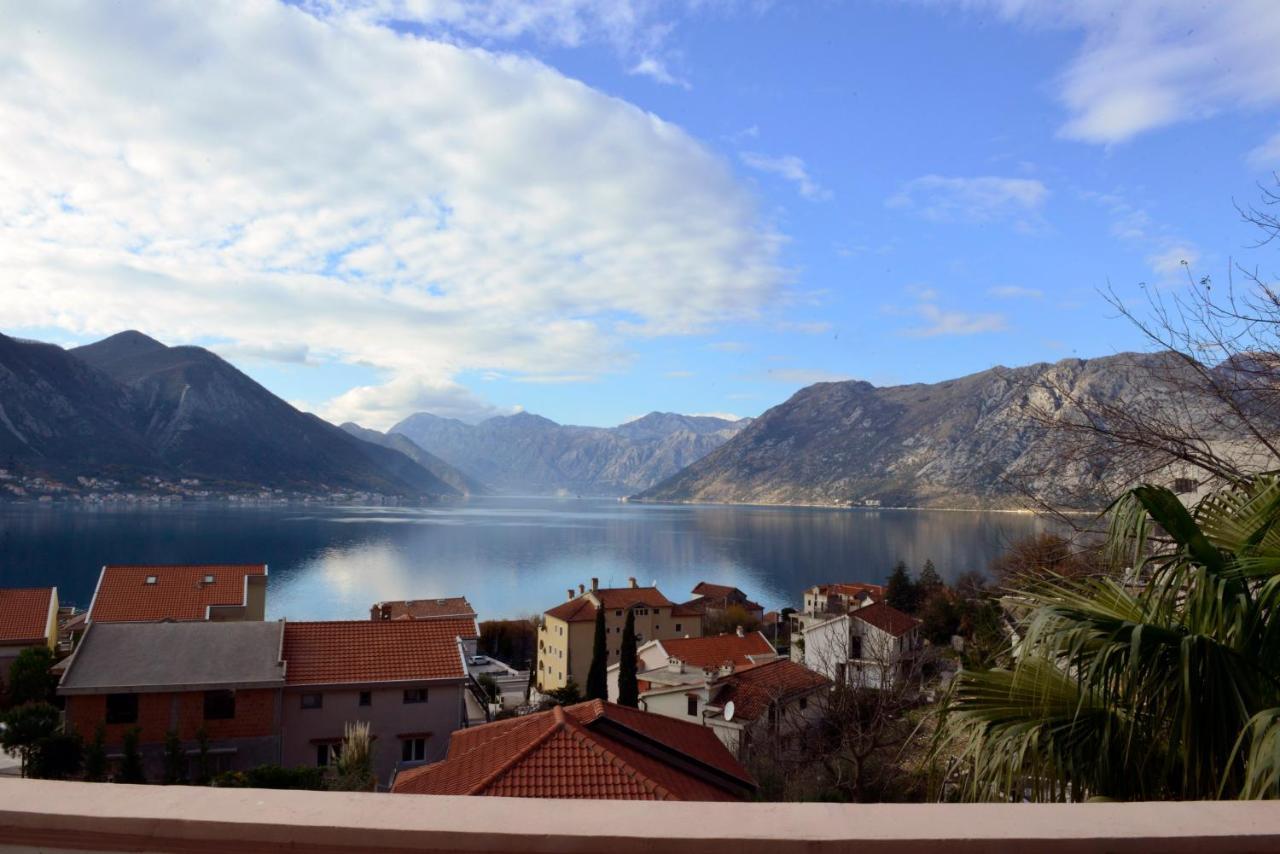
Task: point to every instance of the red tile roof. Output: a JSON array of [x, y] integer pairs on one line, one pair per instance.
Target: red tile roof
[[887, 618], [425, 609], [367, 651], [179, 592], [581, 608], [591, 750], [717, 591], [754, 689], [24, 615], [717, 649], [875, 591]]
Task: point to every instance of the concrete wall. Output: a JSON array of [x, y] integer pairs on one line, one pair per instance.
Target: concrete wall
[[567, 647], [388, 716], [54, 816]]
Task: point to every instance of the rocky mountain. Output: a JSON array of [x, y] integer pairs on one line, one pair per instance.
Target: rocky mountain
[[459, 480], [967, 442], [129, 406], [529, 454]]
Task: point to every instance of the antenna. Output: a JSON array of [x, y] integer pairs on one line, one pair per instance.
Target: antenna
[[729, 710]]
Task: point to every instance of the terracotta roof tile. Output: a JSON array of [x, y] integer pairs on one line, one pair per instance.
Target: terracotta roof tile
[[717, 591], [854, 588], [24, 615], [581, 608], [179, 592], [717, 649], [365, 651], [425, 609], [591, 750], [754, 689], [887, 618]]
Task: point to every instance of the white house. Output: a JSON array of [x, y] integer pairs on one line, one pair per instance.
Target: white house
[[678, 661], [868, 647]]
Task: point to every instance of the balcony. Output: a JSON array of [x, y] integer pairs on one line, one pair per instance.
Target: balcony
[[102, 817]]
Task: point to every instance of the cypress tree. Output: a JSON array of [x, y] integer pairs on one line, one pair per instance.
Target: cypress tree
[[95, 756], [628, 685], [131, 770], [900, 592], [597, 676], [929, 582]]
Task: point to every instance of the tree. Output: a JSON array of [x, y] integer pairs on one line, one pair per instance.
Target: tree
[[731, 619], [30, 677], [131, 770], [901, 592], [59, 756], [628, 685], [355, 760], [1046, 557], [566, 696], [928, 583], [95, 756], [1168, 688], [25, 727], [204, 764], [597, 676], [175, 759], [488, 686]]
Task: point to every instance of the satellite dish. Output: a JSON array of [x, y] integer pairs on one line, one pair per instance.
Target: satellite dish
[[728, 710]]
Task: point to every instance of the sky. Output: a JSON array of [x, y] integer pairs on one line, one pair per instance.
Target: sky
[[593, 209]]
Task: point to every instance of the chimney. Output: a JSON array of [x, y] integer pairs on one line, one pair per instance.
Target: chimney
[[595, 585], [570, 594], [675, 665], [631, 582], [582, 588], [741, 633], [726, 669]]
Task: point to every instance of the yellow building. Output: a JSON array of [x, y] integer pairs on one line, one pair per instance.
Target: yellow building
[[567, 634]]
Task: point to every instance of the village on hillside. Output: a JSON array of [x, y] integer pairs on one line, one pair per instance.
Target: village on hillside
[[173, 674]]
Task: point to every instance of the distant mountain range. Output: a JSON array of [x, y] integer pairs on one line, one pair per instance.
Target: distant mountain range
[[529, 454], [128, 408], [967, 442]]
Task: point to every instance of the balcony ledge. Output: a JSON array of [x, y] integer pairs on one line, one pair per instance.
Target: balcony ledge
[[55, 816]]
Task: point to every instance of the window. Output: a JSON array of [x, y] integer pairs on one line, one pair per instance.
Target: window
[[313, 701], [327, 753], [366, 698], [855, 647], [122, 708], [677, 627], [415, 695], [413, 749], [617, 613], [693, 706], [151, 579], [219, 705], [208, 579], [804, 703]]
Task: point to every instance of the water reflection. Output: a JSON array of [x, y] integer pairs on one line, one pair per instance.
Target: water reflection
[[509, 556]]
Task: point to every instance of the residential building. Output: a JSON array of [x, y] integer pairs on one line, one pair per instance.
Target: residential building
[[224, 678], [675, 661], [870, 647], [423, 609], [713, 600], [179, 593], [28, 618], [566, 636], [405, 678], [823, 600], [590, 750]]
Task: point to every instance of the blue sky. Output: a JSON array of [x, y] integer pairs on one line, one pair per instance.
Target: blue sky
[[592, 210]]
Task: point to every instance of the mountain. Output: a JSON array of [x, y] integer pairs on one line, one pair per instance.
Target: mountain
[[967, 442], [459, 480], [128, 407], [529, 454]]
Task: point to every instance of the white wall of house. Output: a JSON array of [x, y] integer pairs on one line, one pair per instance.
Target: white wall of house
[[855, 651]]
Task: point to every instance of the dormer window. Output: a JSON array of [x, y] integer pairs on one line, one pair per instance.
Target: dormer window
[[151, 579], [208, 579]]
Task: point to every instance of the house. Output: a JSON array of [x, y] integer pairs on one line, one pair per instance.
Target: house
[[405, 678], [870, 647], [713, 600], [128, 594], [590, 750], [423, 609], [28, 618], [778, 700], [224, 678], [674, 661], [566, 636], [826, 599]]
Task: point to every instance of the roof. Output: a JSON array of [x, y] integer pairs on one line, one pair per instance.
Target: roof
[[425, 609], [702, 603], [179, 592], [24, 615], [590, 750], [754, 689], [717, 591], [717, 649], [852, 588], [887, 618], [582, 608], [367, 651], [139, 657]]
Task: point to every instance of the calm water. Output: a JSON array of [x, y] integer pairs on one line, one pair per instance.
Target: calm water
[[510, 557]]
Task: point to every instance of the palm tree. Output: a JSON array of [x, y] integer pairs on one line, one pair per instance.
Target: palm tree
[[1164, 685]]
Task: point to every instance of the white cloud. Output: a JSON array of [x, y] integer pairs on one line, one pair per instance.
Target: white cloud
[[820, 327], [1147, 64], [938, 321], [656, 70], [972, 200], [790, 168], [1174, 260], [727, 416], [396, 202], [1015, 292]]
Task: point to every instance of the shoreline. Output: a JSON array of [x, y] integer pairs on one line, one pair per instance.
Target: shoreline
[[863, 509]]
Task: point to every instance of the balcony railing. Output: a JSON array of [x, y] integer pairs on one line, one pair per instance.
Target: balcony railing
[[37, 814]]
